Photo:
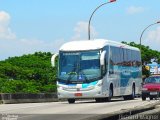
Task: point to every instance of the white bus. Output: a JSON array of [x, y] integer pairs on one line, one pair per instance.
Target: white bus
[[99, 69]]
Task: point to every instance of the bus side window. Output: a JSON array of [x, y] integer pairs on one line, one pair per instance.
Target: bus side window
[[105, 67], [111, 62], [111, 67]]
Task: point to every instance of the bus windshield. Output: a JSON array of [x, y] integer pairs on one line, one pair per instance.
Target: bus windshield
[[79, 67]]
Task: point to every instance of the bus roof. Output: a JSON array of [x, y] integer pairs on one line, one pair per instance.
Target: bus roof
[[92, 45]]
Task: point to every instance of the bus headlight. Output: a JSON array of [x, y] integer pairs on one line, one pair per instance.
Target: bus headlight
[[99, 84], [60, 87], [91, 87]]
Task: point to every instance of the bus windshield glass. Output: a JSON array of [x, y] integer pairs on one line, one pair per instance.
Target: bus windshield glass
[[79, 67]]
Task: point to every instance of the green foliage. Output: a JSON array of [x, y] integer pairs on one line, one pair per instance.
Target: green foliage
[[49, 88], [28, 74], [18, 86]]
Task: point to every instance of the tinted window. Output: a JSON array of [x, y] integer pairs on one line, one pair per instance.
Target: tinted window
[[155, 79]]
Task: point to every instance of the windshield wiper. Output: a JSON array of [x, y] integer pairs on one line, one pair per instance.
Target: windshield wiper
[[71, 75], [85, 77]]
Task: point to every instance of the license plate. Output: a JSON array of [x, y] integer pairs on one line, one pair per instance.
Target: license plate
[[153, 93], [78, 94]]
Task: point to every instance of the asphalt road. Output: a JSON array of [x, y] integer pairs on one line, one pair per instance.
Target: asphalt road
[[65, 111]]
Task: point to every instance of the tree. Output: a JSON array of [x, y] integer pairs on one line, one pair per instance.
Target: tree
[[28, 73]]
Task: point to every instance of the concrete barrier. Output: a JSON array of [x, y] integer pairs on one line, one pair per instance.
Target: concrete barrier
[[7, 98]]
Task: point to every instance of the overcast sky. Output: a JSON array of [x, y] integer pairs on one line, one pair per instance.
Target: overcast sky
[[27, 26]]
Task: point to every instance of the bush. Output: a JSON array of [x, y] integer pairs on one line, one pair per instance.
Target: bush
[[25, 86]]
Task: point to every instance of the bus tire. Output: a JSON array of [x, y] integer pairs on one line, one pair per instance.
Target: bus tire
[[143, 97], [99, 100], [151, 98], [126, 97], [133, 93], [132, 96], [110, 93], [70, 101]]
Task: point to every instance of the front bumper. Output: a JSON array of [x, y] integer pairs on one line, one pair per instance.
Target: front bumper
[[151, 93], [94, 93]]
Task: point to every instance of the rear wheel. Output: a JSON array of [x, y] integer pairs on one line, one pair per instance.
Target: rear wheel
[[133, 92], [70, 101], [132, 96]]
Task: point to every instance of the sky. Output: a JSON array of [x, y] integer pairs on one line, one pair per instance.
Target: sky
[[27, 26]]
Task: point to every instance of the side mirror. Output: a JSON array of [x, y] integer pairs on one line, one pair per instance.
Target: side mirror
[[102, 58], [53, 59]]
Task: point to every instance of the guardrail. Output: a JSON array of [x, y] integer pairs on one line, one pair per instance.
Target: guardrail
[[7, 98]]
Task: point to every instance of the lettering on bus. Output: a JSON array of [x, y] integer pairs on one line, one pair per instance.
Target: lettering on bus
[[71, 53]]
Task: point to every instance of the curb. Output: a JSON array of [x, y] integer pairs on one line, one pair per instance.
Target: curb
[[118, 115]]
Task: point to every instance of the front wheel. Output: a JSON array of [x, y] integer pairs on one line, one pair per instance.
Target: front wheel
[[110, 95], [70, 101], [132, 96], [133, 93], [143, 97], [151, 98]]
